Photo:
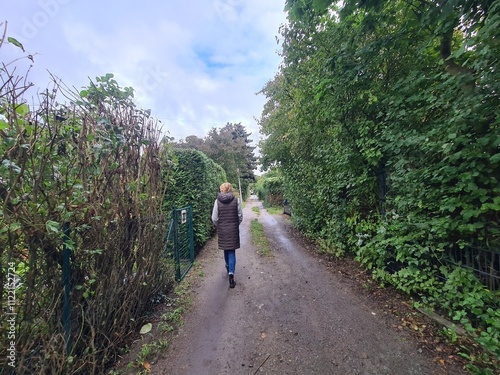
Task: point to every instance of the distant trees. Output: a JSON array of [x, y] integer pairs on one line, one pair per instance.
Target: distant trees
[[229, 147]]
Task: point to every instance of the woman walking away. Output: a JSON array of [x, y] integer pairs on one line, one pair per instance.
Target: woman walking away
[[227, 216]]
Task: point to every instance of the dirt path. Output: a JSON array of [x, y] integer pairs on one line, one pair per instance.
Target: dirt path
[[289, 314]]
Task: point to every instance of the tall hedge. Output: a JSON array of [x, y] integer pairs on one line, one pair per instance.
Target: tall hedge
[[384, 119], [194, 181]]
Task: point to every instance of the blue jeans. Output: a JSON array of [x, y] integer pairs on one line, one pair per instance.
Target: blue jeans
[[230, 258]]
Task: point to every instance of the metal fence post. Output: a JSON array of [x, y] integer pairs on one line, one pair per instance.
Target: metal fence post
[[175, 220], [66, 271], [191, 234]]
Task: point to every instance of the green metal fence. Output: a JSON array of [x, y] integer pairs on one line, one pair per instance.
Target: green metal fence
[[180, 243]]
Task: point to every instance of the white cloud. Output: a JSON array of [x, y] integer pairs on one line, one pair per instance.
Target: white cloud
[[196, 64]]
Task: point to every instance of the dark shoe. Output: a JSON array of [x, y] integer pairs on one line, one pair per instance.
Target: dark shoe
[[232, 283]]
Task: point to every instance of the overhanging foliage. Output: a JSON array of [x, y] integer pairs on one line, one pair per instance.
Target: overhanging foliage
[[384, 121]]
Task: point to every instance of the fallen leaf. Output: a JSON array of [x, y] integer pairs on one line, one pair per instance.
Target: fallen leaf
[[146, 328]]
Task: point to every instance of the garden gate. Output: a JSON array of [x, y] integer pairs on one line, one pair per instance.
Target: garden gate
[[180, 242]]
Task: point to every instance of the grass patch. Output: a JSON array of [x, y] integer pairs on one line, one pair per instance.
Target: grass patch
[[259, 238], [256, 210], [148, 352], [274, 210]]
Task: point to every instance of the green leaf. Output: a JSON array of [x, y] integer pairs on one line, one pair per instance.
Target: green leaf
[[11, 227], [22, 109], [10, 164], [15, 42], [146, 328], [52, 226], [4, 125], [495, 158]]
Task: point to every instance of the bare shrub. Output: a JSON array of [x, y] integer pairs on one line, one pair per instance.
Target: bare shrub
[[82, 177]]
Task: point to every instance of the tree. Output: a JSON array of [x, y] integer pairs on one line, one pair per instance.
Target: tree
[[229, 147]]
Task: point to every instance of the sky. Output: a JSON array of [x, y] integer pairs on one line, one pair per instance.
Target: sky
[[196, 64]]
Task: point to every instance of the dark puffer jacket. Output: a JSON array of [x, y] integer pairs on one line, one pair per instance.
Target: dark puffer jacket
[[228, 225]]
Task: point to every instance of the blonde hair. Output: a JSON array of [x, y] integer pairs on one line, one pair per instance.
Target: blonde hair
[[226, 187]]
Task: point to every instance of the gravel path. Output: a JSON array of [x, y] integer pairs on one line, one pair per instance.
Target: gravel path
[[288, 314]]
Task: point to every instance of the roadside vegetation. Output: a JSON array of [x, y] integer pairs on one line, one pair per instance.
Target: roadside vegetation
[[155, 336], [259, 238], [381, 129]]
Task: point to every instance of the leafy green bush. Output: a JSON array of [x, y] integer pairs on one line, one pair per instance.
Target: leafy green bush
[[269, 188], [384, 122]]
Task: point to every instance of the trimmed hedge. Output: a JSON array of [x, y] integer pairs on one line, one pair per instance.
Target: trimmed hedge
[[194, 181]]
